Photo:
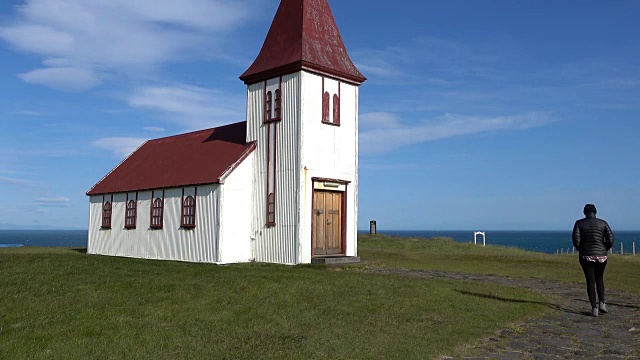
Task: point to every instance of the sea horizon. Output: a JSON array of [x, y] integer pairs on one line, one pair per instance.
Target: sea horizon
[[545, 241]]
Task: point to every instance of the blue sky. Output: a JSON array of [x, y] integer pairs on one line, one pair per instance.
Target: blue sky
[[476, 115]]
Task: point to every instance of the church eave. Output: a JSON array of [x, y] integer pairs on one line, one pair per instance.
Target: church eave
[[298, 66]]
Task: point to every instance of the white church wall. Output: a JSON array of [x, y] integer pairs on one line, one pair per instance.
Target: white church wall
[[172, 242], [235, 220], [328, 151], [276, 243]]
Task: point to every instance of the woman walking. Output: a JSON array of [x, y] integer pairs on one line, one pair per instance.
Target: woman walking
[[593, 238]]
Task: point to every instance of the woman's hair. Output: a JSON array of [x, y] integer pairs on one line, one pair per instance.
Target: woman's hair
[[590, 209]]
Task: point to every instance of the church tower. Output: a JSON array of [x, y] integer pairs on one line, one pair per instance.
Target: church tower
[[302, 111]]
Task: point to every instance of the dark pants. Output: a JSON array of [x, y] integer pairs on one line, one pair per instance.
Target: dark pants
[[594, 274]]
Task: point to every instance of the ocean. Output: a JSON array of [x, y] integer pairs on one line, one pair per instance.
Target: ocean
[[540, 241]]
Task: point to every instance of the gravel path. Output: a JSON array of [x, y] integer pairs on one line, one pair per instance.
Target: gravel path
[[567, 332]]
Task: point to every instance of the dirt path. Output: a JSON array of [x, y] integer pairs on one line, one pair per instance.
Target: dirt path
[[567, 332]]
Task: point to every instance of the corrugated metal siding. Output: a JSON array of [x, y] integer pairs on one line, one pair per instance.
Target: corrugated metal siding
[[255, 100], [279, 243], [170, 243]]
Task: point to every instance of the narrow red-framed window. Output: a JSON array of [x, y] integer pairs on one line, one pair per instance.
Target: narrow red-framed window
[[157, 211], [188, 210], [277, 109], [268, 115], [131, 213], [336, 109], [106, 212], [272, 139], [325, 107], [271, 209]]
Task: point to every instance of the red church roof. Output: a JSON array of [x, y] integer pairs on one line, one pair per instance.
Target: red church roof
[[197, 158], [303, 36]]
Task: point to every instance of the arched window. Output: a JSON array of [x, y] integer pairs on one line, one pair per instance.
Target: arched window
[[157, 209], [271, 209], [130, 217], [106, 215], [336, 109], [267, 106], [325, 107], [189, 212], [277, 111]]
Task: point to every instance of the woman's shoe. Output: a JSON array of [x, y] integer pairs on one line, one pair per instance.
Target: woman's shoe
[[594, 312], [603, 308]]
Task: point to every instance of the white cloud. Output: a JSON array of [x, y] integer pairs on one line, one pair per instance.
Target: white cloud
[[119, 146], [381, 139], [191, 107], [103, 36], [65, 79], [154, 129], [19, 182], [54, 202], [38, 39]]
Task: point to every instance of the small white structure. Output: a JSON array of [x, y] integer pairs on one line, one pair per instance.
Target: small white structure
[[280, 187], [475, 238]]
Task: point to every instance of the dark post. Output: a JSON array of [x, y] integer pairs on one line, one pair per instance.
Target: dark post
[[372, 227]]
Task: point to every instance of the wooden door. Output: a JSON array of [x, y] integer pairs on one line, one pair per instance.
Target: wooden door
[[327, 223]]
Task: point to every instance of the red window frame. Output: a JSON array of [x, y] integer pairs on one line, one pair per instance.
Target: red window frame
[[273, 103], [189, 210], [277, 108], [326, 101], [336, 109], [325, 107], [131, 215], [271, 209], [267, 106], [157, 211], [107, 211]]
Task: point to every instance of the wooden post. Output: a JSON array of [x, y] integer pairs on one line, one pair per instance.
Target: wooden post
[[372, 227], [634, 248], [621, 248]]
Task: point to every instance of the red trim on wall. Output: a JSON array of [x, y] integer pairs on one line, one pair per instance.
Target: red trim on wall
[[275, 173], [343, 215], [300, 66], [313, 222], [343, 235], [271, 167], [336, 107]]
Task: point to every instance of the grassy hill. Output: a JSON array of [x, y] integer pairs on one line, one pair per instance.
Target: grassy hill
[[63, 304]]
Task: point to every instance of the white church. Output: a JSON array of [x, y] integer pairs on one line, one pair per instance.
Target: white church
[[280, 187]]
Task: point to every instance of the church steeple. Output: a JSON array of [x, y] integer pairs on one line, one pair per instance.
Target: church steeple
[[303, 36]]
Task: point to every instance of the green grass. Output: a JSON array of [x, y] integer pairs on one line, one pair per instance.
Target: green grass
[[622, 273], [62, 304]]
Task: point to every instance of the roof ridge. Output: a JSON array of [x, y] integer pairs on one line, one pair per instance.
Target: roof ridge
[[190, 133]]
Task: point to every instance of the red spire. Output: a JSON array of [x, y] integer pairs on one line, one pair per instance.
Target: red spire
[[303, 35]]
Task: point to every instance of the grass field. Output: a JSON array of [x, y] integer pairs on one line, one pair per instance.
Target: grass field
[[623, 272], [63, 304]]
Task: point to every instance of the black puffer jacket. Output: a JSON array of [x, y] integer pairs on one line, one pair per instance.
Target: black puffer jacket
[[592, 236]]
